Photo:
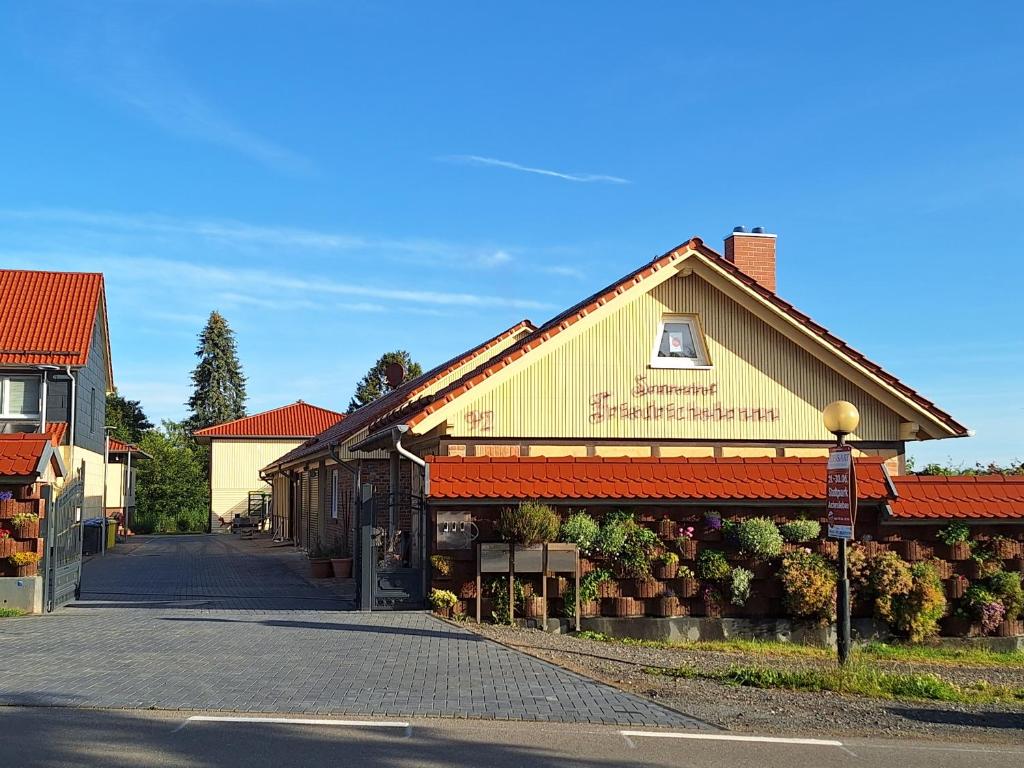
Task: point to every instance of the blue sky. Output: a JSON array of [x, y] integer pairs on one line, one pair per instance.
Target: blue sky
[[340, 179]]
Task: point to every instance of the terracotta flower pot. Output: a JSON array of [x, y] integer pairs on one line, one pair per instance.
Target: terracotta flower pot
[[1010, 628], [7, 547], [608, 588], [665, 606], [667, 529], [320, 568], [25, 570], [956, 588], [687, 587], [943, 568], [622, 607], [666, 571], [586, 566], [957, 552], [712, 610], [342, 567], [533, 607], [26, 530], [827, 548], [1005, 549], [468, 589], [912, 551], [646, 588], [871, 548], [590, 608], [687, 549]]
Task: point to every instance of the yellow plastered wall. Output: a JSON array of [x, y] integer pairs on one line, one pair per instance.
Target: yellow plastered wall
[[93, 478], [115, 485], [761, 386], [234, 471]]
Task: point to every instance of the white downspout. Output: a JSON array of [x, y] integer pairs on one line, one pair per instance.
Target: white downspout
[[74, 402]]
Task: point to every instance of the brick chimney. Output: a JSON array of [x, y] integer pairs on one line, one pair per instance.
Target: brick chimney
[[754, 253]]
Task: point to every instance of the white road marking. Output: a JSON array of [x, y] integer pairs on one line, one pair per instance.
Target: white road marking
[[726, 737], [407, 727]]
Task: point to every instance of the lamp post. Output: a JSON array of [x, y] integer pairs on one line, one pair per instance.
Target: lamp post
[[841, 419]]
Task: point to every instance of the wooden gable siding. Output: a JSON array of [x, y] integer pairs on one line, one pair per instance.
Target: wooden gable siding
[[761, 387]]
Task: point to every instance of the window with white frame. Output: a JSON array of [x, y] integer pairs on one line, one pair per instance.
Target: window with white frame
[[19, 397], [679, 343], [334, 494]]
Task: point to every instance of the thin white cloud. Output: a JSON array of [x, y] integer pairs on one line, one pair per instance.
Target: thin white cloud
[[494, 259], [563, 271], [118, 57], [496, 163]]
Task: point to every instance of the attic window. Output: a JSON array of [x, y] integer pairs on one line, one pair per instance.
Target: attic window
[[679, 343]]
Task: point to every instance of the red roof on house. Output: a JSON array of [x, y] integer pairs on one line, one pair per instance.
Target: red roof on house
[[119, 446], [651, 479], [296, 420], [419, 410], [56, 431], [982, 497], [22, 453], [47, 318]]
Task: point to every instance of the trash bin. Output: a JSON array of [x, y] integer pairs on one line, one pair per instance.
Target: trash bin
[[92, 531], [111, 532]]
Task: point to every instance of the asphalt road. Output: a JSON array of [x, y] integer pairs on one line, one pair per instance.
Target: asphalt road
[[42, 736]]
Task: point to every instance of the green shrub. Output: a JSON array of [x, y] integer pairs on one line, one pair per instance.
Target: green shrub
[[739, 586], [668, 559], [954, 533], [685, 572], [809, 586], [442, 564], [760, 537], [497, 588], [638, 549], [528, 524], [582, 530], [712, 565], [442, 598], [799, 531], [917, 613], [590, 583], [1006, 585], [890, 578], [612, 536]]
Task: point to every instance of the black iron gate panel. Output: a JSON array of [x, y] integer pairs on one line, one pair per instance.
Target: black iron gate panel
[[391, 558], [63, 566]]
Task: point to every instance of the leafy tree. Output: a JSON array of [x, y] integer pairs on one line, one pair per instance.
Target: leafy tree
[[1015, 467], [218, 383], [375, 383], [172, 491], [127, 418]]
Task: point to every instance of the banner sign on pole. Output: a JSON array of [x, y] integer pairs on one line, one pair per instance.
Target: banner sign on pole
[[841, 492]]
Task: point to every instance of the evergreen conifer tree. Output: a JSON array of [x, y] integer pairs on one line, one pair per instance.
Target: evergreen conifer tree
[[218, 383], [375, 383]]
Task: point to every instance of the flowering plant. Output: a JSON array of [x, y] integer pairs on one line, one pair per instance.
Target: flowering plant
[[4, 534], [6, 495], [713, 521], [19, 559], [991, 615], [685, 533]]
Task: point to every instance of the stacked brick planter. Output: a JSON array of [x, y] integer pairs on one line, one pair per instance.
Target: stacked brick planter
[[22, 538]]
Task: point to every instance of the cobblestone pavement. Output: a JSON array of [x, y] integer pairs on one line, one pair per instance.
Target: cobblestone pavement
[[214, 623]]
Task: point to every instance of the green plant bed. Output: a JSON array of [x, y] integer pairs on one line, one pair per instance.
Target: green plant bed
[[11, 613]]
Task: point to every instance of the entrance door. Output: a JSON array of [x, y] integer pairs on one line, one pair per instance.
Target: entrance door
[[63, 566]]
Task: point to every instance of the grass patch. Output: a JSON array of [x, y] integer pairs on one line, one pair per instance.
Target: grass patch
[[10, 613], [871, 652], [857, 680]]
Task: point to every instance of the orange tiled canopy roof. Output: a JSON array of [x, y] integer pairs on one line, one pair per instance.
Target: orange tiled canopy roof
[[21, 453], [296, 420], [47, 318], [984, 497], [653, 479]]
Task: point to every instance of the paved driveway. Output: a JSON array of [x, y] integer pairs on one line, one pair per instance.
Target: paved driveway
[[214, 623]]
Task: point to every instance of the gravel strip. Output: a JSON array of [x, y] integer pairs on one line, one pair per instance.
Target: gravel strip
[[780, 712]]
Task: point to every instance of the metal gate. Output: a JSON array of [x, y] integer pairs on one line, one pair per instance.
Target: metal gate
[[390, 558], [63, 566]]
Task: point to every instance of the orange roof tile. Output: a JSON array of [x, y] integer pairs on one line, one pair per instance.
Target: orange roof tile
[[982, 497], [569, 317], [22, 453], [640, 479], [47, 318], [296, 420], [374, 412], [56, 431]]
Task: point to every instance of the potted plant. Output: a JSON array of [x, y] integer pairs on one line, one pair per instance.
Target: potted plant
[[809, 587], [590, 586], [529, 524], [1004, 548], [533, 607], [955, 537], [582, 530], [666, 528], [712, 565], [712, 526], [957, 586], [319, 562], [442, 565], [685, 543], [442, 602], [760, 538], [712, 603], [827, 548], [686, 581], [6, 502], [912, 550], [6, 543], [942, 567], [800, 531], [666, 565], [341, 565], [622, 607], [739, 586], [24, 563], [26, 525]]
